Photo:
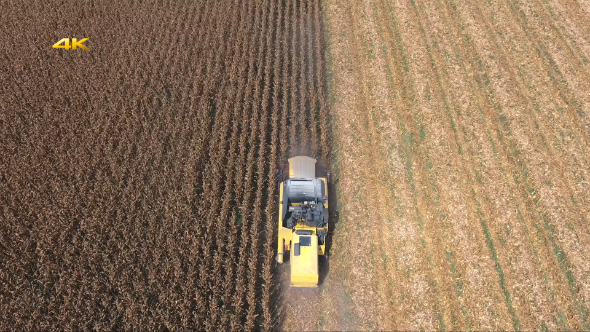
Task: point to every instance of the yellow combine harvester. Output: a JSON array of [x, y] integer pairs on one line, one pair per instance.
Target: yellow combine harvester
[[303, 220]]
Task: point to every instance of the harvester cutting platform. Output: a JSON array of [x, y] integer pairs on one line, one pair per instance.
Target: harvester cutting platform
[[303, 220]]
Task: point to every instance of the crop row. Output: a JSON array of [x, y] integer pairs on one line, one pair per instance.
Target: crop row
[[139, 186]]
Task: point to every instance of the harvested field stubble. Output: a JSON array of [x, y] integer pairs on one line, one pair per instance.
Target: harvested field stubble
[[137, 179], [462, 150]]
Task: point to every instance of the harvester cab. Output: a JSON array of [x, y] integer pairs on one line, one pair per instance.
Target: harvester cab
[[303, 220]]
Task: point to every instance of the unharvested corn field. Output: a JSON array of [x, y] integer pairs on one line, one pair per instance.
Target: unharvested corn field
[[138, 185], [137, 179]]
